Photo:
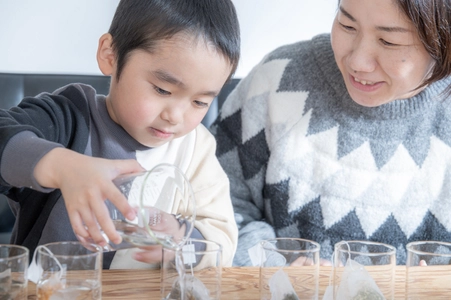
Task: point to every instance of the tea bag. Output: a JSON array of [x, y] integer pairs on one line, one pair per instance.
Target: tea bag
[[35, 271], [280, 287], [357, 284], [194, 289], [329, 293]]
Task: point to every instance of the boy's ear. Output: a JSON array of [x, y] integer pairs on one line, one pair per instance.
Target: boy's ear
[[105, 55]]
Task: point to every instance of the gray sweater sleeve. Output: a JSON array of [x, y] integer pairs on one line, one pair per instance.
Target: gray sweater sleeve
[[21, 154], [38, 125]]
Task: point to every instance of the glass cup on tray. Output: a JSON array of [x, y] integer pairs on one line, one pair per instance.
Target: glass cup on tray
[[13, 271], [162, 197], [68, 270]]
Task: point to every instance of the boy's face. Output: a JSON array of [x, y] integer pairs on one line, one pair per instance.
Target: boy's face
[[165, 94]]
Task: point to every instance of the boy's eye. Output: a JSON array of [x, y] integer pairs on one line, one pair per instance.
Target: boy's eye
[[161, 91], [200, 103]]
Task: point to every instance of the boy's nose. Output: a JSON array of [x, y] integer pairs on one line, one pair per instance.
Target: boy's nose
[[173, 114]]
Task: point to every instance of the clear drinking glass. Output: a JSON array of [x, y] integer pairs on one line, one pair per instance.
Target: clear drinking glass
[[160, 196], [364, 269], [289, 269], [428, 270], [192, 271], [69, 270], [13, 272]]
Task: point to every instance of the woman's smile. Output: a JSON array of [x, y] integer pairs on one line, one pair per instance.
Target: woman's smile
[[365, 85]]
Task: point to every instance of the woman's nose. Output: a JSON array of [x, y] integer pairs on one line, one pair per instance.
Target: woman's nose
[[362, 57]]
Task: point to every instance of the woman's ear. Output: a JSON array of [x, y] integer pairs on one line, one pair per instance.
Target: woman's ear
[[105, 55]]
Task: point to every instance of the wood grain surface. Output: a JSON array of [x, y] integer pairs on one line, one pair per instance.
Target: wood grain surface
[[237, 283]]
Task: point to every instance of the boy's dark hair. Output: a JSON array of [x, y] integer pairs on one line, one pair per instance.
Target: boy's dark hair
[[140, 24], [432, 20]]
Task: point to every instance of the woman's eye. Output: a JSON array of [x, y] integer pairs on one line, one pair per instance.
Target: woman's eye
[[200, 103], [349, 28], [384, 42], [161, 91]]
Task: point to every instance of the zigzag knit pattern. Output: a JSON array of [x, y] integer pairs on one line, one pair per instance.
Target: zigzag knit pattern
[[306, 161]]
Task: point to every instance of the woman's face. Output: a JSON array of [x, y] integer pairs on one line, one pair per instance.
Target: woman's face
[[378, 52]]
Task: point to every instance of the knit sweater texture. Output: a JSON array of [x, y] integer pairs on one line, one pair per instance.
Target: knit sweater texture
[[306, 161]]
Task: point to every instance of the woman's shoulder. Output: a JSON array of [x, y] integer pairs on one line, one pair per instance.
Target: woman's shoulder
[[306, 48], [298, 65]]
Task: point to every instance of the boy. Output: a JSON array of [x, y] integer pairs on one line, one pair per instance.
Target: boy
[[59, 152]]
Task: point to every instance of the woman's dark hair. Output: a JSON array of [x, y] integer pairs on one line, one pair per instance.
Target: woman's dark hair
[[432, 19], [140, 24]]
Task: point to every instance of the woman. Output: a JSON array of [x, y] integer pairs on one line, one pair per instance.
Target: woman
[[346, 136]]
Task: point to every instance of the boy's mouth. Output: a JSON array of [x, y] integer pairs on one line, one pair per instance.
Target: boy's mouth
[[163, 134]]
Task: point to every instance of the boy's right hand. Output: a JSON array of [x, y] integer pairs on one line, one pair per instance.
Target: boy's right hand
[[86, 182]]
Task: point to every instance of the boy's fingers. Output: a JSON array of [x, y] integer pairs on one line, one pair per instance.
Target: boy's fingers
[[120, 202], [93, 227], [150, 255], [77, 225], [105, 222], [130, 166]]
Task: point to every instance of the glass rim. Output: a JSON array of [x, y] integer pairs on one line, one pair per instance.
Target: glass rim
[[217, 247], [391, 250], [42, 251], [25, 252], [409, 248], [316, 245]]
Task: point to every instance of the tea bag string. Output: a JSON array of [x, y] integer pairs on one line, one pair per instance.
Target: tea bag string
[[349, 254], [50, 253], [191, 261], [188, 255], [332, 259]]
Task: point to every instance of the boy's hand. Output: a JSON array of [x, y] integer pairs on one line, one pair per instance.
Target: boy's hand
[[86, 182], [164, 224], [150, 255]]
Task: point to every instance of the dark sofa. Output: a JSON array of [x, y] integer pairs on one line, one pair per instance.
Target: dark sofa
[[14, 87]]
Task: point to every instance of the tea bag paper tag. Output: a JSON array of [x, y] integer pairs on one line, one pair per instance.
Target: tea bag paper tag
[[256, 254], [34, 272], [329, 293], [188, 254]]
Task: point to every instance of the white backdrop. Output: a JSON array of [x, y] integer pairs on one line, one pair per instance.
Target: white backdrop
[[60, 36]]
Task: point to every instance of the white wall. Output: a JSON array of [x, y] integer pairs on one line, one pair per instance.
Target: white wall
[[268, 24], [52, 36], [60, 36]]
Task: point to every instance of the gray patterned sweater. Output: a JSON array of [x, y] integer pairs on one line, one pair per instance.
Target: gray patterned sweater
[[306, 161]]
